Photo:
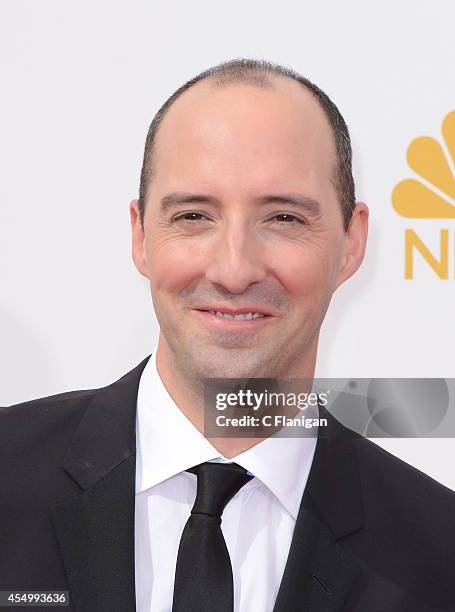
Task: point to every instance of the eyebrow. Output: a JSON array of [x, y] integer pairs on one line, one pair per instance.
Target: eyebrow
[[306, 203]]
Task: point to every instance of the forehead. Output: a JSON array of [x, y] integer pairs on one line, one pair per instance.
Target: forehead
[[245, 134]]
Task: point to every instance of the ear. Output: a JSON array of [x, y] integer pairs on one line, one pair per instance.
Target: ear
[[355, 239], [138, 239]]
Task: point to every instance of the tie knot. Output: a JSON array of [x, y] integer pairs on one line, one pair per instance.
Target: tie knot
[[217, 483]]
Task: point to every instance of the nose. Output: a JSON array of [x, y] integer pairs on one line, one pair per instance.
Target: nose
[[235, 260]]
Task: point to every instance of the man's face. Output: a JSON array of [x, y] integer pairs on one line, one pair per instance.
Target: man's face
[[240, 156]]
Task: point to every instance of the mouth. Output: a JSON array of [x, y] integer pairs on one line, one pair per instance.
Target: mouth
[[241, 319]]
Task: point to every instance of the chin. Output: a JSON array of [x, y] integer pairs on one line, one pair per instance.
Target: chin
[[233, 367]]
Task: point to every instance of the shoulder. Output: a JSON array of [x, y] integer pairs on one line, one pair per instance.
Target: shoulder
[[50, 401], [52, 404], [409, 522], [405, 537], [39, 420], [382, 473], [43, 426]]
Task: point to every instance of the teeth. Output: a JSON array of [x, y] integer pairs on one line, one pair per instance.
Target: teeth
[[246, 316]]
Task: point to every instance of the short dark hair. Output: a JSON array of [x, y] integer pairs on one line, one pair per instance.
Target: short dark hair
[[255, 72]]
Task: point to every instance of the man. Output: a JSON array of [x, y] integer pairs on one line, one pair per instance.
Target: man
[[246, 205]]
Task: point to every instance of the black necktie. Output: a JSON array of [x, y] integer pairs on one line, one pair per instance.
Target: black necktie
[[203, 576]]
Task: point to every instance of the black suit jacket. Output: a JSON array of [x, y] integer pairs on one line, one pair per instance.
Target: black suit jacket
[[373, 534]]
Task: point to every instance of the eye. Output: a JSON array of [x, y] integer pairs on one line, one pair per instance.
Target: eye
[[194, 217], [288, 219]]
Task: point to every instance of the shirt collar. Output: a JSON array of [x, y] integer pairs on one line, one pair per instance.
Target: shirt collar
[[168, 443]]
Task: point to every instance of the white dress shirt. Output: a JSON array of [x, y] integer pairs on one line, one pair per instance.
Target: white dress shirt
[[257, 523]]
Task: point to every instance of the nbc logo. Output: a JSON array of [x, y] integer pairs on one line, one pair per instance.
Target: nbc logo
[[429, 196]]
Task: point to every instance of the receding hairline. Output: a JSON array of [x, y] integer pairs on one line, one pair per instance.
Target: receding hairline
[[263, 81], [268, 81], [212, 82]]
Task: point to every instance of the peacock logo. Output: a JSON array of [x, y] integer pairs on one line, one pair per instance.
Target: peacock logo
[[432, 195]]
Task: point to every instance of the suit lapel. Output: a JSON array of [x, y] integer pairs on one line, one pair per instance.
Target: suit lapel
[[95, 530], [320, 572]]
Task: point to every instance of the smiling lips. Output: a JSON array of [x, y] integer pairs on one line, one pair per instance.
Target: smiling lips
[[237, 311], [243, 317], [246, 316]]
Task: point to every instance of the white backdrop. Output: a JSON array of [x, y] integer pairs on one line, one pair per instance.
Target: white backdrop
[[81, 82]]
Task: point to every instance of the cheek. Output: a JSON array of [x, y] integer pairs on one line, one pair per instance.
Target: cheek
[[305, 273], [173, 265]]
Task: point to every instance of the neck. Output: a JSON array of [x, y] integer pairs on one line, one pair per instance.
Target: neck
[[187, 391]]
